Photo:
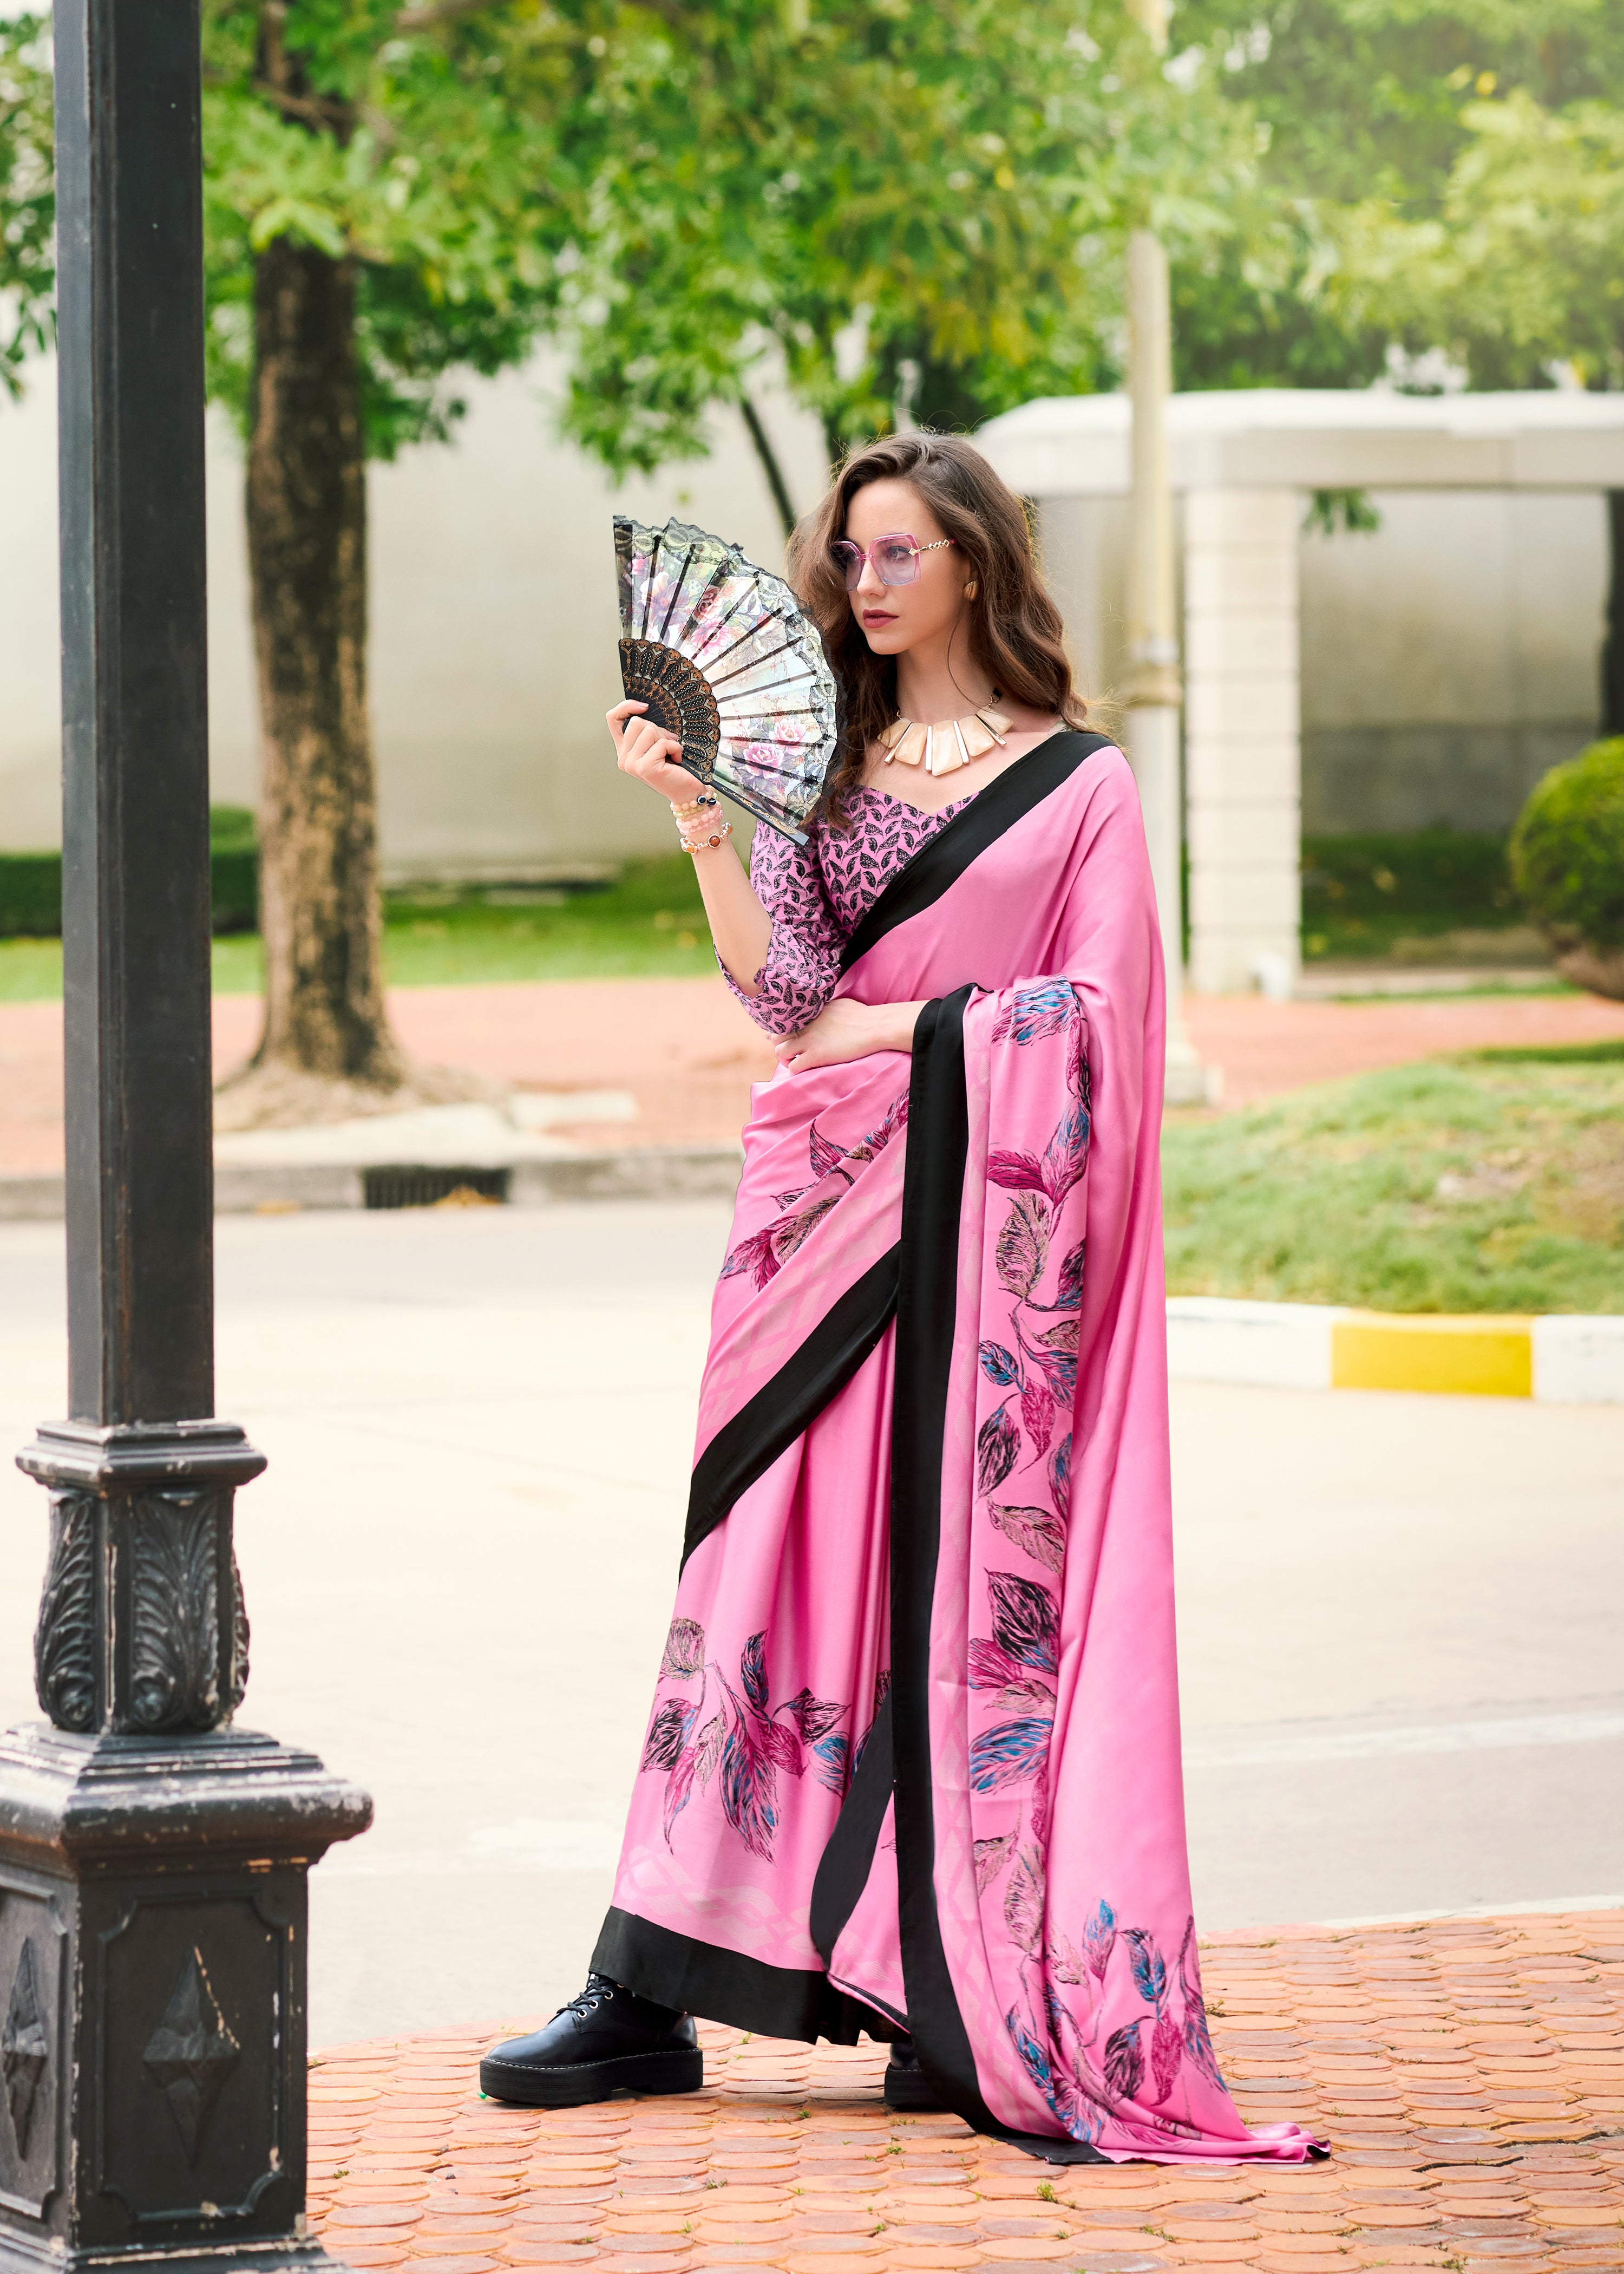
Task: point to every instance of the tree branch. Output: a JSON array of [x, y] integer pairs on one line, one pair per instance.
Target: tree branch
[[316, 110], [439, 11], [770, 465]]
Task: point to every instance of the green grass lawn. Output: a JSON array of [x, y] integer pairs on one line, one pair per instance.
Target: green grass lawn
[[650, 921], [1493, 1182]]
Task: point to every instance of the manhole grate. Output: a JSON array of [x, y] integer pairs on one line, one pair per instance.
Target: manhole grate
[[407, 1187]]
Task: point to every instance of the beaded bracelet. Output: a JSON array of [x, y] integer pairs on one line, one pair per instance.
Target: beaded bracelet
[[693, 806], [707, 844]]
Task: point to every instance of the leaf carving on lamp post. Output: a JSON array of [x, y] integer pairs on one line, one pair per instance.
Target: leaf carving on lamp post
[[237, 1687], [65, 1640], [173, 1594]]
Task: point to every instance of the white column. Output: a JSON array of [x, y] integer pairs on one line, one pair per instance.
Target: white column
[[1243, 748], [1152, 687]]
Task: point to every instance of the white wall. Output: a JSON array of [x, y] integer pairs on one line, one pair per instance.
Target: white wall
[[1450, 658], [493, 626], [1447, 658]]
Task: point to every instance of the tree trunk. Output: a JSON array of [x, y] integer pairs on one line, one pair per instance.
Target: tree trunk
[[324, 1010], [769, 457]]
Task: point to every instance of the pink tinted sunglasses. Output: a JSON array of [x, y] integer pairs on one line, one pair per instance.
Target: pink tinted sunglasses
[[895, 558]]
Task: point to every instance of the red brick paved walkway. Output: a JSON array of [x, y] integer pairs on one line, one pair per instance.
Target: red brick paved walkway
[[688, 1054], [1469, 2073]]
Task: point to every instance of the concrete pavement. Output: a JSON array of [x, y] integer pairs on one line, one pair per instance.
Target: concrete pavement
[[1399, 1615]]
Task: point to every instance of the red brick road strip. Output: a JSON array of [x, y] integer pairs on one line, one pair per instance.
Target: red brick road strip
[[1469, 2073], [688, 1054]]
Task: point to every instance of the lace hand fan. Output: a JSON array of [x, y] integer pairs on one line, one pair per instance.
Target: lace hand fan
[[722, 656]]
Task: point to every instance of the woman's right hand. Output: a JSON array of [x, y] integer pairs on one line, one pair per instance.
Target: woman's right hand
[[648, 752]]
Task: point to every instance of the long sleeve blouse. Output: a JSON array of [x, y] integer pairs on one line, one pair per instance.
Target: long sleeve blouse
[[817, 893]]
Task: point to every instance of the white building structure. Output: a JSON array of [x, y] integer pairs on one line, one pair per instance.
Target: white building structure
[[1444, 663], [1429, 672], [493, 626]]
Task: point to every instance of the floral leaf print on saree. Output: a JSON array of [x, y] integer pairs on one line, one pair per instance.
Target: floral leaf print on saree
[[1025, 1620], [746, 1743], [764, 1254], [1010, 1753], [1136, 2071], [668, 1733], [998, 1364], [685, 1648], [1089, 2058], [991, 1855], [882, 1687], [1099, 1939], [1023, 1244], [1033, 1014], [998, 1442], [1040, 1535], [1023, 1901]]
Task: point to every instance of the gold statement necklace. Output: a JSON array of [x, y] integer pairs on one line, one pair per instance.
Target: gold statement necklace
[[950, 743]]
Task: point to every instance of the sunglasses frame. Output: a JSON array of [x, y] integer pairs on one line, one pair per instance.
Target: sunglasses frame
[[863, 560]]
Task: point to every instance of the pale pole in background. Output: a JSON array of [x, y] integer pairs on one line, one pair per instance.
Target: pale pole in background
[[1154, 689]]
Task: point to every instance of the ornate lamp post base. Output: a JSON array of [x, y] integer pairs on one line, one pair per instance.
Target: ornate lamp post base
[[152, 1922], [152, 1883], [153, 1861]]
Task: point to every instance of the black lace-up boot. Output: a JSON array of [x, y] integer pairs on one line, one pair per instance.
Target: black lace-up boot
[[606, 2040], [905, 2081]]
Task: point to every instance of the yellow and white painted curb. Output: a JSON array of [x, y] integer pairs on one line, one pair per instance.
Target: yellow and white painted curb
[[1560, 1359]]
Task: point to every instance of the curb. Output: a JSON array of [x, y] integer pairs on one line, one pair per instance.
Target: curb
[[644, 1172], [1557, 1360]]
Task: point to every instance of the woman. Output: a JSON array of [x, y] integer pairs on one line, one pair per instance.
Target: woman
[[914, 1762]]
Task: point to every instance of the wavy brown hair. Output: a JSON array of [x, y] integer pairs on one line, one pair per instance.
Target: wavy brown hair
[[1015, 633]]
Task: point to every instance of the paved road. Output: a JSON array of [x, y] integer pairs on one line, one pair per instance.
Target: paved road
[[1400, 1615]]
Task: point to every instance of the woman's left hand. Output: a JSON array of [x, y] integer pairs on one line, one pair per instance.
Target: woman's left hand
[[847, 1030]]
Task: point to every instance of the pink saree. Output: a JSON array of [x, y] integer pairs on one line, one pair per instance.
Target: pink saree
[[914, 1761]]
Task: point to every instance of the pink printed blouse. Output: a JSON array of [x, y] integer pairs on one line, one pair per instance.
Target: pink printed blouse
[[817, 894]]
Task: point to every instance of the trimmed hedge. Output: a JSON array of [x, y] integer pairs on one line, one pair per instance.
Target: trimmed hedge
[[1455, 873], [1568, 850], [31, 883]]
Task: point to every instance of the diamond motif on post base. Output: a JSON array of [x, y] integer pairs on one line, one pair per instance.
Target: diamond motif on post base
[[24, 2049], [191, 2053]]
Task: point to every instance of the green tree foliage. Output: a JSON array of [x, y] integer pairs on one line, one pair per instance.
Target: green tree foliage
[[914, 203], [1441, 173], [1522, 269], [423, 146], [27, 201], [917, 205]]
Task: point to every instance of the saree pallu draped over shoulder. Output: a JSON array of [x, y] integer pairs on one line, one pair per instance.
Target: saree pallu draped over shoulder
[[914, 1761]]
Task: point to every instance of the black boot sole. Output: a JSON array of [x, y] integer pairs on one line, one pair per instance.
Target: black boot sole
[[908, 2091], [573, 2084]]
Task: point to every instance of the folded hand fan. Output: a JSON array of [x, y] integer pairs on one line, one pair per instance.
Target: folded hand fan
[[722, 656]]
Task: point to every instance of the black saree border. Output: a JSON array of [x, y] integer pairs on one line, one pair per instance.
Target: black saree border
[[926, 1305], [848, 1856], [724, 1985], [942, 859], [745, 1448]]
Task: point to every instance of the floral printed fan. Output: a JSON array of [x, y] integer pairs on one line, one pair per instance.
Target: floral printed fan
[[722, 656]]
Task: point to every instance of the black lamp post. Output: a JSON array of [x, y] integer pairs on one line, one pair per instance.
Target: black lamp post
[[153, 1860]]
